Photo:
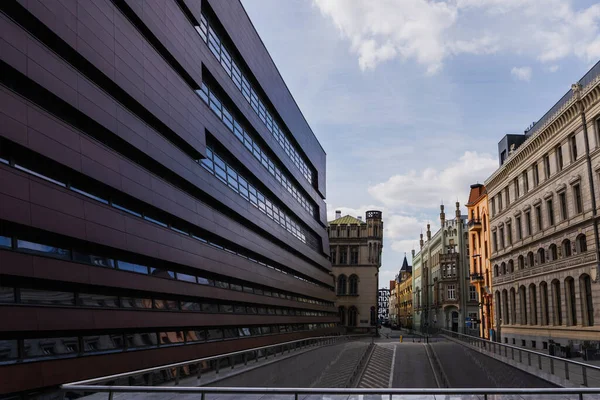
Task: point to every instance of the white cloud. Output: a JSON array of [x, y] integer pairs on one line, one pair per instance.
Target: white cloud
[[429, 32], [553, 68], [521, 73], [425, 189]]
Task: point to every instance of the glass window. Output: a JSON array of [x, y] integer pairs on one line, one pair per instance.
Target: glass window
[[35, 296], [127, 210], [7, 295], [210, 307], [244, 332], [248, 289], [155, 221], [98, 300], [43, 248], [230, 333], [175, 337], [39, 175], [221, 284], [251, 310], [265, 330], [90, 195], [162, 304], [239, 309], [204, 281], [5, 241], [236, 287], [9, 350], [50, 347], [214, 334], [94, 260], [141, 340], [127, 266], [191, 306], [162, 273], [195, 336], [93, 344], [226, 308], [131, 302], [186, 277], [254, 331]]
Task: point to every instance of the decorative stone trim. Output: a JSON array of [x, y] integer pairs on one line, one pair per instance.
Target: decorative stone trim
[[548, 195], [561, 188], [574, 179], [537, 202]]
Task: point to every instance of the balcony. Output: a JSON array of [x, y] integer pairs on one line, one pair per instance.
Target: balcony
[[476, 277], [474, 224]]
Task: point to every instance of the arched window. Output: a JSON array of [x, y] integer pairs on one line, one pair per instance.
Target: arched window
[[342, 315], [556, 303], [352, 316], [541, 255], [341, 287], [513, 306], [496, 270], [498, 307], [530, 259], [521, 263], [566, 248], [571, 301], [523, 304], [532, 305], [484, 223], [503, 268], [581, 243], [511, 266], [585, 288], [553, 252], [505, 307], [544, 312], [353, 285]]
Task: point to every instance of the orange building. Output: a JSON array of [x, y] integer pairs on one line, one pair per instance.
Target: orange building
[[479, 243]]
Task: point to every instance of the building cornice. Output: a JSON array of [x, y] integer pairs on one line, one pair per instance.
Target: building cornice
[[589, 96]]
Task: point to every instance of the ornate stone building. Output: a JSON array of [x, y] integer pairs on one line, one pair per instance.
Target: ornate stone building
[[443, 295], [356, 257], [404, 286], [479, 239], [543, 208]]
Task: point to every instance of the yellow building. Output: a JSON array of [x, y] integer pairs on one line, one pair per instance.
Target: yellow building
[[404, 294], [479, 243]]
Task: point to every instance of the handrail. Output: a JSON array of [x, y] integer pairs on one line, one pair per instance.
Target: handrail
[[320, 339], [490, 347], [334, 391], [591, 366]]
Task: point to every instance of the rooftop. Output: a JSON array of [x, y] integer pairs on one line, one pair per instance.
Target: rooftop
[[346, 220]]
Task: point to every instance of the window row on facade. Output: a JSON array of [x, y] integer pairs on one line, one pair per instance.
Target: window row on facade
[[49, 348], [113, 198], [521, 185], [241, 81], [540, 216], [554, 252], [347, 286], [559, 303], [348, 316], [344, 252], [210, 98], [48, 295], [236, 182], [81, 255]]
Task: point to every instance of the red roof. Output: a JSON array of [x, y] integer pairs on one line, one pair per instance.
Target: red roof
[[477, 192]]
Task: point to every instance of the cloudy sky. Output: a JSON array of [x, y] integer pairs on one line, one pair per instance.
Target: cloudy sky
[[409, 98]]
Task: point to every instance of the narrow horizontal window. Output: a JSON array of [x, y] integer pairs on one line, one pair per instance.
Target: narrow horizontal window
[[90, 195], [40, 175], [5, 241], [102, 343], [132, 267], [43, 248], [127, 210], [46, 297], [50, 347]]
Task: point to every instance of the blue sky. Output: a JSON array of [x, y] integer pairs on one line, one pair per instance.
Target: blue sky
[[409, 98]]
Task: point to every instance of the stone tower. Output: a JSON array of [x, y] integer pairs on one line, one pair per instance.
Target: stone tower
[[375, 235]]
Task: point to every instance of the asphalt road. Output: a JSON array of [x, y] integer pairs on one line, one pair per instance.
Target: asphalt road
[[412, 368]]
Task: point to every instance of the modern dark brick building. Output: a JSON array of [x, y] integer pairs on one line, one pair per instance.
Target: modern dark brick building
[[161, 194]]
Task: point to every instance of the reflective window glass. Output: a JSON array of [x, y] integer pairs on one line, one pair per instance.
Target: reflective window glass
[[186, 277], [195, 336], [191, 306], [175, 337], [139, 340], [7, 295], [127, 266], [239, 309], [204, 281], [214, 334], [50, 347], [94, 260], [9, 350], [210, 307], [166, 304], [98, 300], [162, 273], [131, 302], [43, 248], [226, 308], [35, 296], [95, 344], [244, 332], [127, 210], [230, 333], [5, 241], [237, 287], [90, 195], [221, 284]]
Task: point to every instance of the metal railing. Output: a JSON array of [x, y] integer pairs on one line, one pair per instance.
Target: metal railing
[[558, 369], [321, 393], [192, 371]]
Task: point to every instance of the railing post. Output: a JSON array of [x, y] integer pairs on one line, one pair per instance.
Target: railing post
[[540, 360], [512, 352], [584, 372], [176, 376], [256, 356], [529, 358], [245, 358], [110, 395], [199, 373], [566, 370], [552, 366], [520, 356], [217, 361]]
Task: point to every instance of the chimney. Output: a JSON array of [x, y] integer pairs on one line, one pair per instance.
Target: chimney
[[428, 232], [457, 210], [421, 241], [360, 218], [338, 214]]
